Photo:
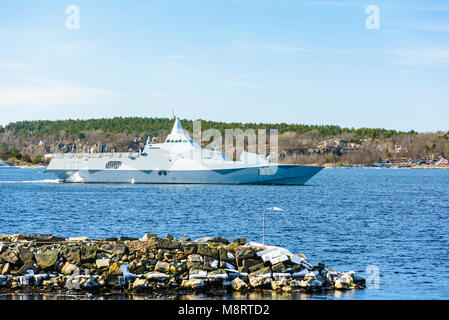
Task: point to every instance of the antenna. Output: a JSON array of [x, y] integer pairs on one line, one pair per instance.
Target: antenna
[[173, 112]]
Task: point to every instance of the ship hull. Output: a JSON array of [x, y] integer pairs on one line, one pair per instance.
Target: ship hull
[[278, 175]]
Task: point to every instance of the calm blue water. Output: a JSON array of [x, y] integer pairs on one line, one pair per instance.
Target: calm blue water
[[397, 220]]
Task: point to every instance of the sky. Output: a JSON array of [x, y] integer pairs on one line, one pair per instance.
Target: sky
[[291, 61]]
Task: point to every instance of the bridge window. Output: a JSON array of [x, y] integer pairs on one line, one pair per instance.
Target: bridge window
[[113, 164]]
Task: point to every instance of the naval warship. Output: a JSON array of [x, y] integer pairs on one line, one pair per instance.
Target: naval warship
[[178, 160]]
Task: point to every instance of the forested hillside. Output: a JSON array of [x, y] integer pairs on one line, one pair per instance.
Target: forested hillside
[[30, 140]]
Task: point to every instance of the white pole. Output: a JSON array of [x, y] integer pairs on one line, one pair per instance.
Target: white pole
[[263, 221], [263, 227]]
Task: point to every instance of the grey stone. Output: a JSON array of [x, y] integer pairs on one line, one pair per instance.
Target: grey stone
[[245, 253], [25, 254], [10, 256], [46, 259], [162, 266], [205, 250]]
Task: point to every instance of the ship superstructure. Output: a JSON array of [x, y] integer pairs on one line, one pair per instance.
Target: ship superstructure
[[179, 159]]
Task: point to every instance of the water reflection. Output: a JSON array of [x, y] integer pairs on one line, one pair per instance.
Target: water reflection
[[266, 295]]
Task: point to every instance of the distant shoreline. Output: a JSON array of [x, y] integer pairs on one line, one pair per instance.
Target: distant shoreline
[[359, 166], [326, 166]]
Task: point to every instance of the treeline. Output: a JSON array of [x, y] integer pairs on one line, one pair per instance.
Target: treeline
[[28, 141], [14, 153], [154, 126]]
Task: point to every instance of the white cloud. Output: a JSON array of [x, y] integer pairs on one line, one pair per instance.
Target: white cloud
[[435, 28], [175, 56], [54, 95], [285, 48], [329, 3], [423, 57], [13, 66], [271, 47], [241, 84]]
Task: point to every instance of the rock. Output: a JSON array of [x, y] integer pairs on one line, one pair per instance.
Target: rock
[[139, 284], [156, 276], [125, 238], [88, 253], [115, 269], [179, 255], [198, 274], [190, 248], [69, 269], [213, 239], [194, 261], [246, 253], [208, 261], [72, 255], [4, 238], [280, 280], [46, 259], [137, 245], [300, 274], [217, 276], [279, 268], [114, 249], [17, 237], [238, 284], [78, 239], [282, 276], [256, 267], [247, 263], [10, 256], [292, 286], [358, 279], [162, 266], [168, 244], [90, 283], [194, 283], [148, 236], [205, 250], [25, 254], [29, 265], [45, 238], [314, 284], [309, 276], [239, 241], [260, 278], [318, 267], [223, 254], [113, 280], [102, 263], [230, 266], [243, 270], [6, 268]]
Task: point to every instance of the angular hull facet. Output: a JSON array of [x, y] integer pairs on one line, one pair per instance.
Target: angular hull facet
[[284, 175]]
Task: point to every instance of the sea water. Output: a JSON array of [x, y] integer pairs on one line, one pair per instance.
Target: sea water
[[391, 225]]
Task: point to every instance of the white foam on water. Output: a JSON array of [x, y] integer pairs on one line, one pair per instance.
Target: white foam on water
[[34, 181], [75, 178]]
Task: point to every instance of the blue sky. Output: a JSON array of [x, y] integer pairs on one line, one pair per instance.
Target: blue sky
[[312, 62]]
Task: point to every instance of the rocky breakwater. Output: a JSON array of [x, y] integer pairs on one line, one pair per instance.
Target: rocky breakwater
[[46, 263]]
